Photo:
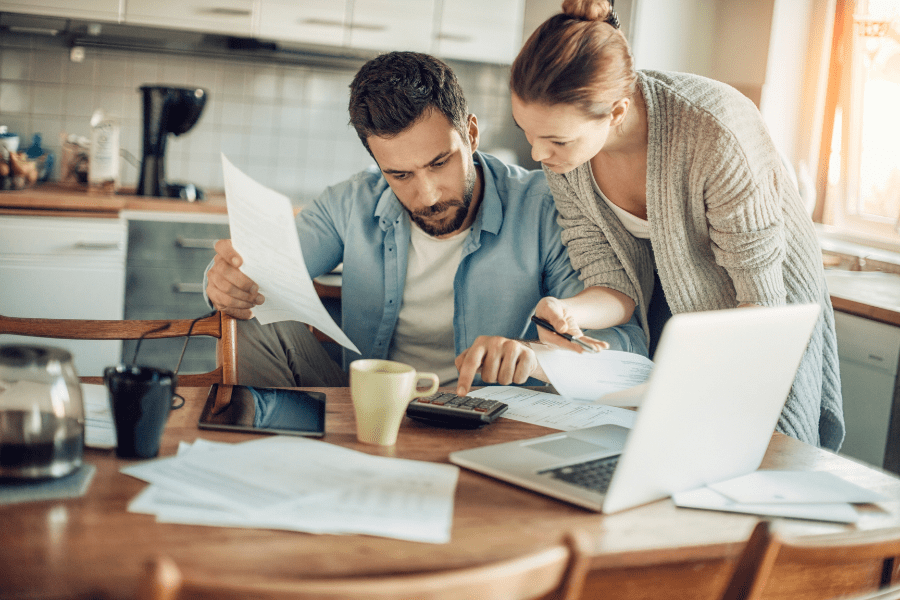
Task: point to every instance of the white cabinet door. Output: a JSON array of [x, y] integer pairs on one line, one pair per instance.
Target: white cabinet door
[[481, 31], [868, 358], [68, 269], [235, 17], [103, 10], [307, 21], [393, 25]]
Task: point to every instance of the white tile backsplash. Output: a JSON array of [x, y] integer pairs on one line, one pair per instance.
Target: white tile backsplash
[[286, 125]]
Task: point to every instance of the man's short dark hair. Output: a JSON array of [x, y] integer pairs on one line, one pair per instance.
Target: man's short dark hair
[[393, 91]]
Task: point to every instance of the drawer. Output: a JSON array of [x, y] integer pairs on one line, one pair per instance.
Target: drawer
[[63, 237], [867, 342], [175, 292], [157, 242]]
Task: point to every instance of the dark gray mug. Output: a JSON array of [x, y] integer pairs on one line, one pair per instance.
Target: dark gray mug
[[140, 398]]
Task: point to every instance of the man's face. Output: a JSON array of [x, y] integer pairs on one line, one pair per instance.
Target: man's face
[[430, 169]]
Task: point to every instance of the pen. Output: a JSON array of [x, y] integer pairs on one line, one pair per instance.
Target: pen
[[542, 323]]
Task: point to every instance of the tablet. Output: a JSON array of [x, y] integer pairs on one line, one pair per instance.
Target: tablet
[[264, 410]]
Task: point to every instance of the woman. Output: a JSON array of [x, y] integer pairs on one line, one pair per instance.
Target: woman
[[669, 188]]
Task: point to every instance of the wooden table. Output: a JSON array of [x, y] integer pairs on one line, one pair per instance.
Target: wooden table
[[92, 547]]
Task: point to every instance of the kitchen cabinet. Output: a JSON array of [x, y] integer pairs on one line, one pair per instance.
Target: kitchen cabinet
[[235, 17], [102, 10], [65, 268], [460, 29], [359, 24], [869, 352], [311, 21], [164, 274], [392, 25], [480, 31]]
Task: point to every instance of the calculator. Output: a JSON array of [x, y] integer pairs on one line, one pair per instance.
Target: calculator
[[444, 409]]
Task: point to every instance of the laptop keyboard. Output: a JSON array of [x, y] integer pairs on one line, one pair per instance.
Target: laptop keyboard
[[593, 474]]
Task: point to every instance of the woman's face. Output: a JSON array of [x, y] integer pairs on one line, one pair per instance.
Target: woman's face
[[562, 137]]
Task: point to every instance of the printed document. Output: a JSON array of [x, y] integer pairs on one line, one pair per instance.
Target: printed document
[[551, 410], [298, 484], [264, 234], [591, 376], [99, 428], [816, 495]]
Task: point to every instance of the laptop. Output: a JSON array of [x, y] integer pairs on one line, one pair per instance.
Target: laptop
[[719, 382]]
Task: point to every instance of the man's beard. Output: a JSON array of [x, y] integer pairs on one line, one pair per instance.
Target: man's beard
[[436, 228]]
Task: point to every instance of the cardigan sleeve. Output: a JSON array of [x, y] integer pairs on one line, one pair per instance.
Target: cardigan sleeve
[[745, 213]]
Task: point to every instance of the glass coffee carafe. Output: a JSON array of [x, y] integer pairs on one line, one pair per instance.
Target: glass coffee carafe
[[41, 413]]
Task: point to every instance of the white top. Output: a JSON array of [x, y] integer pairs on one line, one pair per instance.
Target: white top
[[636, 226], [424, 335]]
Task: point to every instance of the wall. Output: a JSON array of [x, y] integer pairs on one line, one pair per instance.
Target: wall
[[284, 125], [771, 50], [674, 35]]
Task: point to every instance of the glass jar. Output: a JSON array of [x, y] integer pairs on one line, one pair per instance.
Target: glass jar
[[41, 413]]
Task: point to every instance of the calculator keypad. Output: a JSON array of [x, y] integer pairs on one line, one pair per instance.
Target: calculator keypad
[[449, 410]]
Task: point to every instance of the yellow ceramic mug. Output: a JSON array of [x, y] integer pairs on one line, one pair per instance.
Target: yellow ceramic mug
[[381, 390]]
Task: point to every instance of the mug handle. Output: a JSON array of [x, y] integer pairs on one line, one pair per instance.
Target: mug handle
[[417, 393]]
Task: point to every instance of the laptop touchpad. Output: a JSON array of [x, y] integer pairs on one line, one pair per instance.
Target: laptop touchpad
[[567, 447]]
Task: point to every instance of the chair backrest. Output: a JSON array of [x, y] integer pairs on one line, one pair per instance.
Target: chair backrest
[[219, 326], [815, 567], [544, 573]]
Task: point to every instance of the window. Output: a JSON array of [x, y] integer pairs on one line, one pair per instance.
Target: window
[[862, 195]]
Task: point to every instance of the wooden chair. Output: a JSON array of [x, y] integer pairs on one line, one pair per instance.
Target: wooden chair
[[545, 574], [219, 326], [815, 567]]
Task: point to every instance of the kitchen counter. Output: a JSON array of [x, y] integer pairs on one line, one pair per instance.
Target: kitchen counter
[[73, 200], [869, 294]]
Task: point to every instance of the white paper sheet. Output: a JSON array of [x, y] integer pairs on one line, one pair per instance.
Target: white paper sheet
[[99, 427], [268, 485], [551, 410], [590, 376], [709, 499], [264, 234], [793, 487]]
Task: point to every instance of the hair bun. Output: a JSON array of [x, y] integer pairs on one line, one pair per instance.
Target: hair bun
[[588, 10]]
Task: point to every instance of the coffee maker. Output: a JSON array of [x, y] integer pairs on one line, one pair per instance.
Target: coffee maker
[[167, 110]]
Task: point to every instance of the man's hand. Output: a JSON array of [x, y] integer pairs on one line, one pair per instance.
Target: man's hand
[[557, 313], [499, 360], [229, 290]]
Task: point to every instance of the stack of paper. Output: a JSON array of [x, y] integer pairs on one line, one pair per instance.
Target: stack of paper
[[99, 429], [815, 495], [298, 484]]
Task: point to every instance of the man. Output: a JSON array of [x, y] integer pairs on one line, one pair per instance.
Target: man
[[445, 250]]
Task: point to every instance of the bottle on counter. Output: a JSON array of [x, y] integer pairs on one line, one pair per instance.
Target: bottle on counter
[[103, 164]]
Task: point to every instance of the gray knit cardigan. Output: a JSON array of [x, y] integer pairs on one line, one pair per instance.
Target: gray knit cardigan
[[727, 226]]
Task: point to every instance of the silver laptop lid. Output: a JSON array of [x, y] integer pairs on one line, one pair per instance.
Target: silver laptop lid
[[713, 399]]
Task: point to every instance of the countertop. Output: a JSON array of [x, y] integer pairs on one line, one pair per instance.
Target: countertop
[[873, 295], [74, 200], [869, 294]]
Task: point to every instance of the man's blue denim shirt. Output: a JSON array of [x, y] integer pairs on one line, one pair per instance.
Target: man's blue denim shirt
[[513, 257]]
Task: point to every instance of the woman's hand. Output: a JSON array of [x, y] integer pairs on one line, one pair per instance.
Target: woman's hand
[[564, 320]]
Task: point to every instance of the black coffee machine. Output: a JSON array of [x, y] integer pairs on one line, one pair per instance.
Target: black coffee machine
[[167, 110]]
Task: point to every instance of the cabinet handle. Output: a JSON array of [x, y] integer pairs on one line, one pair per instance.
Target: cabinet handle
[[188, 288], [98, 245], [196, 243]]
